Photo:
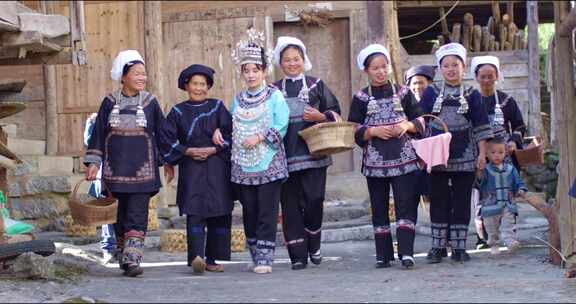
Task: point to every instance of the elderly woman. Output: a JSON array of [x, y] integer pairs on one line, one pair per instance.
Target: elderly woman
[[504, 115], [204, 188], [124, 142], [418, 78], [451, 186], [386, 116], [260, 119], [310, 102]]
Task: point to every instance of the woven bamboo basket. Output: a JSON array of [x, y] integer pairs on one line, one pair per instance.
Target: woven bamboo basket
[[329, 137], [73, 229], [173, 240], [153, 202], [153, 223], [94, 212], [238, 240], [533, 154]]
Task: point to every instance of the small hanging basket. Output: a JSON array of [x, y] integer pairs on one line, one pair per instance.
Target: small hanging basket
[[422, 155], [329, 137], [96, 212], [533, 154]]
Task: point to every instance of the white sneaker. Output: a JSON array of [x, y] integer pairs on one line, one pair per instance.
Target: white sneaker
[[495, 250], [261, 269]]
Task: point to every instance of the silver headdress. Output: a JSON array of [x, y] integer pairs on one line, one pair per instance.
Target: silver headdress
[[249, 50]]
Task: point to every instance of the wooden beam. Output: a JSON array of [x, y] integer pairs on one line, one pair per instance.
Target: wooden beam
[[50, 26], [31, 41], [153, 47], [51, 105], [12, 85], [565, 110], [534, 112], [568, 24], [78, 33]]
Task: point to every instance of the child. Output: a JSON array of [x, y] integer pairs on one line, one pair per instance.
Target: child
[[499, 183]]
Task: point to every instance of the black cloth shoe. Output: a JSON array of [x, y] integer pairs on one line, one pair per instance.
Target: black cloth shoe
[[481, 244], [298, 266], [444, 252], [382, 264], [460, 255], [133, 271], [434, 255]]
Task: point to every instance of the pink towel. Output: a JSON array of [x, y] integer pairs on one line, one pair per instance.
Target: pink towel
[[433, 150]]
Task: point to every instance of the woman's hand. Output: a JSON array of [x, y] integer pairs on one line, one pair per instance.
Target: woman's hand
[[481, 162], [313, 115], [200, 154], [252, 141], [217, 138], [92, 172], [168, 173], [401, 128], [382, 132]]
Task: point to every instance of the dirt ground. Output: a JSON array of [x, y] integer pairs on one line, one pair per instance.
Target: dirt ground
[[346, 275]]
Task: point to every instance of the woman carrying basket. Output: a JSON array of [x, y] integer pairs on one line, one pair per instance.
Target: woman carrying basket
[[310, 102], [460, 108], [124, 142], [386, 115], [505, 118]]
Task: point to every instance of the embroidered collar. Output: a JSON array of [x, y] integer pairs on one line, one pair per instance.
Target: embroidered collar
[[296, 78]]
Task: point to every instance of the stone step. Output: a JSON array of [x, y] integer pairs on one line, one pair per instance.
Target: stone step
[[44, 165], [22, 146]]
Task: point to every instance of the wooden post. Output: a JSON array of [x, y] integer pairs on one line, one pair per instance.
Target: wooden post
[[51, 104], [153, 49], [496, 14], [510, 10], [444, 23], [534, 115], [565, 110], [382, 18]]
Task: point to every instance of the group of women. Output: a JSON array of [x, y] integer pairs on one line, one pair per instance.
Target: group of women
[[252, 152]]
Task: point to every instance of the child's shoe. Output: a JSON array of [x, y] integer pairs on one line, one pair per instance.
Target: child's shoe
[[198, 265], [262, 269], [408, 261], [513, 247]]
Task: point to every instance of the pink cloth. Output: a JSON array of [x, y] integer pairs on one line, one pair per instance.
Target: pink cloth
[[433, 150]]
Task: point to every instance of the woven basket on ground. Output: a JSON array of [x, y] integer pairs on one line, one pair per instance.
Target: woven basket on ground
[[173, 240], [94, 212], [329, 137], [238, 241], [73, 229], [153, 202], [153, 223]]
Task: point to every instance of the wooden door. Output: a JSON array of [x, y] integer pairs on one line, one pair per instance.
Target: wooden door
[[329, 51]]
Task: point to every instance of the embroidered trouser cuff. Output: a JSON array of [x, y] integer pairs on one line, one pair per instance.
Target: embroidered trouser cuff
[[405, 233], [439, 235], [133, 248], [458, 236]]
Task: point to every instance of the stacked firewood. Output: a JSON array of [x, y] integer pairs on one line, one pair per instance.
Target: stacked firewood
[[499, 34]]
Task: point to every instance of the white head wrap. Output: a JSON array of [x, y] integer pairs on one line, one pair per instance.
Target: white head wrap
[[121, 60], [283, 42], [480, 60], [369, 50], [451, 49]]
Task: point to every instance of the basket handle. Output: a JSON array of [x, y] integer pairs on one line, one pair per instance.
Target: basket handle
[[444, 126], [77, 186], [337, 117]]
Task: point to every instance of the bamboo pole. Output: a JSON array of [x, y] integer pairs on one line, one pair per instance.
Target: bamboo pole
[[512, 30], [456, 33], [444, 23], [477, 38], [510, 10], [503, 35], [467, 31], [496, 15], [485, 39]]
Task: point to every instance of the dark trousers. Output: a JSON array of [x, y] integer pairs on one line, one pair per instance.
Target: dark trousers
[[406, 199], [450, 208], [208, 237], [131, 226], [260, 204], [302, 209]]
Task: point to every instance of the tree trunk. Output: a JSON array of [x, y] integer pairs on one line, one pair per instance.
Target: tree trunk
[[550, 214]]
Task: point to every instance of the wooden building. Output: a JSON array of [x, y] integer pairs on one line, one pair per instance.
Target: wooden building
[[174, 34]]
